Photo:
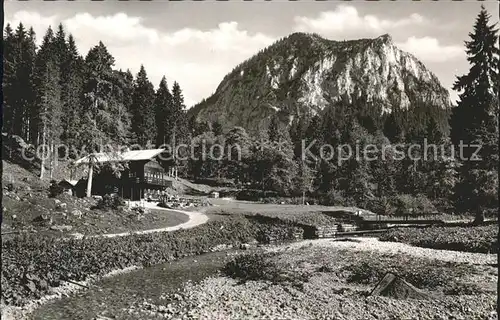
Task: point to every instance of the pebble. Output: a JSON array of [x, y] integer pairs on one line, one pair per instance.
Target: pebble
[[325, 295]]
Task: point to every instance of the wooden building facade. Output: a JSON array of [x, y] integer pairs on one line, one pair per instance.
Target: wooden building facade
[[143, 176]]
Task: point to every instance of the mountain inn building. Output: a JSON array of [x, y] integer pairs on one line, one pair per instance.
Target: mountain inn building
[[144, 175]]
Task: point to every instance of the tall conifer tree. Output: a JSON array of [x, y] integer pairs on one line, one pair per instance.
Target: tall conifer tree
[[143, 110], [475, 119]]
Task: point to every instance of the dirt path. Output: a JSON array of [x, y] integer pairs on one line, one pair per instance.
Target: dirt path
[[195, 219], [18, 313]]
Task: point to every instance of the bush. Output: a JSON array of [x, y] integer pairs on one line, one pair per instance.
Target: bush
[[32, 263], [334, 198], [256, 266], [110, 202], [380, 206], [402, 205], [255, 195], [482, 239], [423, 205], [425, 274], [216, 182], [55, 189], [443, 205], [261, 266]]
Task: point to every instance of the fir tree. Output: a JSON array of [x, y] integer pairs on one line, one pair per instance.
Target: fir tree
[[475, 119], [18, 89], [47, 80], [9, 78], [163, 109], [179, 117], [238, 145], [105, 120], [29, 129], [143, 109], [274, 128], [71, 93], [217, 128]]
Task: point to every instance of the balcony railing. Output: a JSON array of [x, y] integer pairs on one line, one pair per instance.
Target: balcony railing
[[156, 181]]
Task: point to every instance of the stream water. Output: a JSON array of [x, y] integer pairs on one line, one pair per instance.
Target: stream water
[[111, 297]]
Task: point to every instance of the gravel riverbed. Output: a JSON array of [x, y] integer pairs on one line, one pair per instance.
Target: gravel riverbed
[[326, 295]]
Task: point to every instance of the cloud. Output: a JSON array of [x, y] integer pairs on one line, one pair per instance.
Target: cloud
[[38, 22], [119, 28], [346, 22], [197, 59], [429, 49], [346, 19]]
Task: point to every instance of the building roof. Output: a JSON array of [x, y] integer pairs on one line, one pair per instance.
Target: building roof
[[70, 182], [134, 155]]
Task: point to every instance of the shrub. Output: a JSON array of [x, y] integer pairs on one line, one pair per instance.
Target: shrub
[[483, 239], [216, 182], [424, 205], [55, 189], [256, 266], [406, 204], [109, 202], [31, 261], [255, 195], [443, 205], [380, 206], [403, 204], [423, 273], [261, 266], [334, 198]]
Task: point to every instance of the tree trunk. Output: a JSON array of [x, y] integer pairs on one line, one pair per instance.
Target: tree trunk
[[479, 219], [51, 162], [56, 157], [262, 180], [42, 168], [89, 180]]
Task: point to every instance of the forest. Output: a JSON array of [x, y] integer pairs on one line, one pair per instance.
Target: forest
[[53, 95]]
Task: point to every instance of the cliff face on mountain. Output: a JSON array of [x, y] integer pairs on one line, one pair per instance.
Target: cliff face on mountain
[[302, 74]]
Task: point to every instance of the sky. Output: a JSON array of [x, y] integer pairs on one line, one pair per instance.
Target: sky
[[197, 43]]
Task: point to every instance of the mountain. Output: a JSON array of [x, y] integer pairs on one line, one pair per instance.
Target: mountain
[[302, 74]]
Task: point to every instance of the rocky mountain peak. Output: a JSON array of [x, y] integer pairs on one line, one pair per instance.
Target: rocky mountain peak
[[303, 73], [385, 38]]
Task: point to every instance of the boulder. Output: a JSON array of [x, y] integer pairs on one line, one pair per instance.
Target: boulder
[[77, 235], [61, 228], [77, 213], [61, 205], [44, 219]]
